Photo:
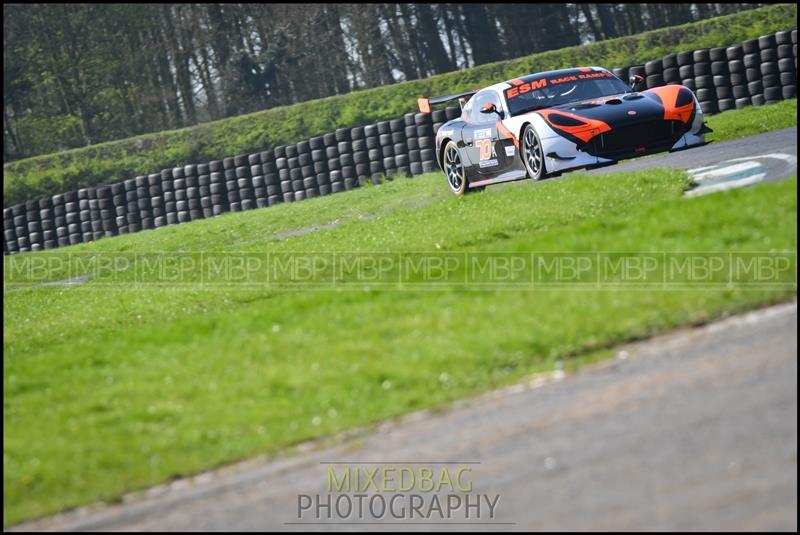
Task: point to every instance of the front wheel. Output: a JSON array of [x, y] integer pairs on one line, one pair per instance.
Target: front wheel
[[532, 154], [454, 169]]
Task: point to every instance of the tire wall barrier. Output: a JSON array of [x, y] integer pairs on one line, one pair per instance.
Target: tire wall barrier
[[756, 72]]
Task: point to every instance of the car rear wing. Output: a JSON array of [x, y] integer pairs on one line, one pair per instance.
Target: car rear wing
[[425, 103]]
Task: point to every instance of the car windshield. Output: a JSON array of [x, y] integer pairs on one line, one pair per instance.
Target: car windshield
[[548, 92]]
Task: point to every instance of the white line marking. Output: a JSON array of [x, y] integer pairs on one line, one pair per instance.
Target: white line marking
[[777, 155], [703, 169], [726, 170], [726, 185]]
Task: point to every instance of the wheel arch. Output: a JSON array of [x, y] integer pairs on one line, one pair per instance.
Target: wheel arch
[[440, 152], [521, 155], [520, 135]]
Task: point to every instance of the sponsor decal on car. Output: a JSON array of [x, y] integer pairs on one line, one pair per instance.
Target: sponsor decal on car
[[510, 150], [521, 89]]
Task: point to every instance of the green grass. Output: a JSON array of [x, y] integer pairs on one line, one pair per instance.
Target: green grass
[[112, 386], [752, 120], [118, 160]]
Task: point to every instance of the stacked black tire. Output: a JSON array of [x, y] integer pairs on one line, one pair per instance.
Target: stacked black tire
[[759, 71], [425, 140]]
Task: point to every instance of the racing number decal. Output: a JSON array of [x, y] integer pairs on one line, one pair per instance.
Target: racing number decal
[[485, 148], [487, 156]]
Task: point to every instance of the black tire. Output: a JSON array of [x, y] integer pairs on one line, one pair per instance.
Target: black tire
[[750, 46], [722, 80], [751, 61], [736, 66], [454, 170], [734, 52], [709, 106], [753, 75], [650, 68], [452, 112], [701, 56], [772, 93], [766, 41], [771, 80], [726, 104], [685, 58], [718, 54], [655, 80], [705, 93], [342, 134], [702, 69], [769, 67], [786, 65], [719, 67], [532, 154], [703, 82], [770, 54], [788, 78], [740, 91], [785, 52]]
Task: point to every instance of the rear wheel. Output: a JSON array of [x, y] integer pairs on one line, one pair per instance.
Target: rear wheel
[[532, 154], [454, 169]]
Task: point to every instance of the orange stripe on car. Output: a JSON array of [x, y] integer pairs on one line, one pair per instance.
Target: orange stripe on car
[[669, 97], [584, 132], [501, 128]]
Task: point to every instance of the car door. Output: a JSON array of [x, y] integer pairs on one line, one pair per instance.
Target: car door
[[486, 151]]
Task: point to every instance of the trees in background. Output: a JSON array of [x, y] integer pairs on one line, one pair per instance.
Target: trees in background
[[81, 74]]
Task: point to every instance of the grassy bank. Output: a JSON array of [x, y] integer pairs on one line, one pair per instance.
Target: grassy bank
[[752, 120], [115, 161]]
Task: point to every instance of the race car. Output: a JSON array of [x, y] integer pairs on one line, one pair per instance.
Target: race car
[[543, 124]]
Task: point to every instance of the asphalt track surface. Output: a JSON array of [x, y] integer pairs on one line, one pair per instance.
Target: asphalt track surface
[[692, 430], [780, 142]]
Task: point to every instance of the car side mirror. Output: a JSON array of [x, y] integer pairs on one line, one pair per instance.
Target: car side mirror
[[635, 80], [491, 108]]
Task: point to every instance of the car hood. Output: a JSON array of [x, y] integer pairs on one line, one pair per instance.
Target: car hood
[[617, 110]]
